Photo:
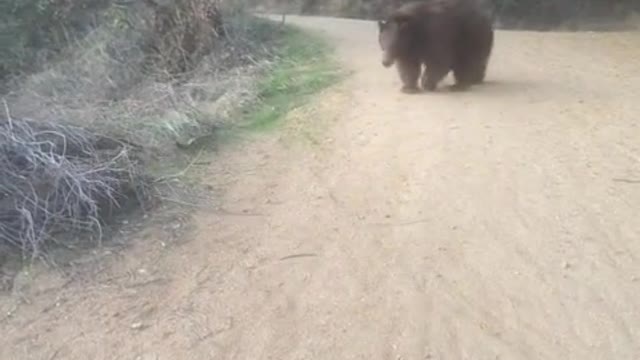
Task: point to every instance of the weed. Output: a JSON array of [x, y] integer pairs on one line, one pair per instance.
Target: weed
[[302, 68]]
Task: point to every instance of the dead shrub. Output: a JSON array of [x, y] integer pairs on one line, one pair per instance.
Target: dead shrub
[[66, 157], [184, 31], [59, 179]]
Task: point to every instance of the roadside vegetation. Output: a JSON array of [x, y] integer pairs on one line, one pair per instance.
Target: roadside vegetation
[[105, 104], [304, 67]]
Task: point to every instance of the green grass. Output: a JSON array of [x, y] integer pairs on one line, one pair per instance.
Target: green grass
[[303, 67]]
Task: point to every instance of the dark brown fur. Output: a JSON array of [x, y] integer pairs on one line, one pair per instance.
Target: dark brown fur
[[443, 35]]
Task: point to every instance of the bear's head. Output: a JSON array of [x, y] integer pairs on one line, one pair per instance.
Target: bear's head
[[393, 38]]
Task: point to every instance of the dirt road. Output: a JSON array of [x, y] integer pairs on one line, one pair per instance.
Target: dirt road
[[500, 223]]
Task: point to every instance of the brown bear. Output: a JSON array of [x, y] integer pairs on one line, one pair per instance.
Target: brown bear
[[443, 35]]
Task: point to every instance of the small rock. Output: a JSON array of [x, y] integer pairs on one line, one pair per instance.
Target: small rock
[[136, 326], [566, 265]]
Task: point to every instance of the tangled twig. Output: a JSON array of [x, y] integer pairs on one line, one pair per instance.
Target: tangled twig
[[55, 177]]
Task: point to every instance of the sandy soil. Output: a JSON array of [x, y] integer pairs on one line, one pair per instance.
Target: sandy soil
[[500, 223]]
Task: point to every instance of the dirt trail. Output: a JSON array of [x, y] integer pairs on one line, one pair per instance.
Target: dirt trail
[[500, 223]]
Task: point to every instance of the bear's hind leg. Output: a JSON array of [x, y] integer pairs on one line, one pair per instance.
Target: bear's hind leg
[[433, 75], [409, 71], [463, 78], [465, 70], [478, 71], [479, 67]]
